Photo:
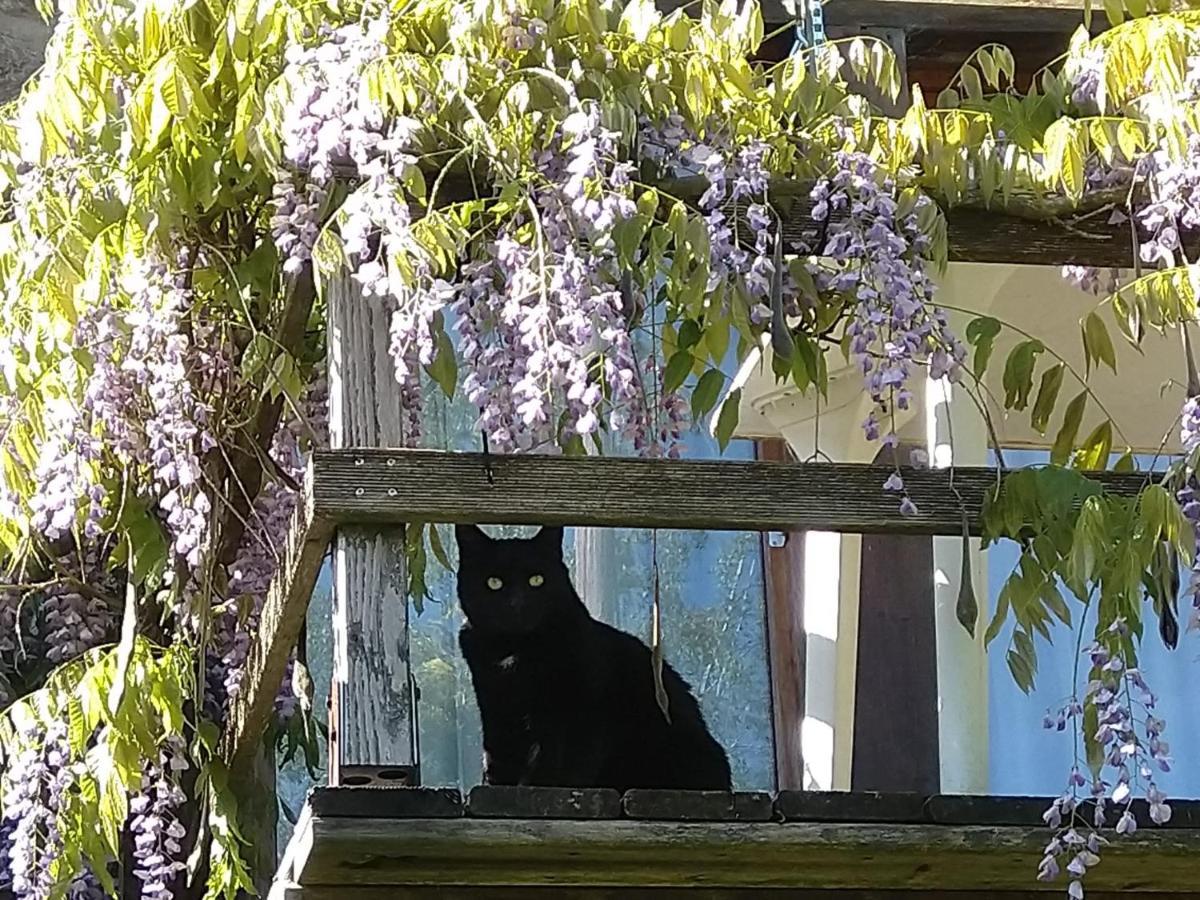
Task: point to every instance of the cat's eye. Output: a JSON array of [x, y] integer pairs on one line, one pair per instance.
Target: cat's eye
[[536, 580], [495, 583]]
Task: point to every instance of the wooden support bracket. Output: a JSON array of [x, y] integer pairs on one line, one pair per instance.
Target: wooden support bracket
[[279, 627]]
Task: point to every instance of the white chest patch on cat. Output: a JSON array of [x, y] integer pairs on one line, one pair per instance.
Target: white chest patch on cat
[[508, 662]]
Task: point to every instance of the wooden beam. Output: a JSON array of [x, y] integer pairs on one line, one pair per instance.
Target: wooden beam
[[278, 629], [787, 643], [1025, 232], [372, 735], [601, 893], [622, 853], [994, 236], [951, 15], [963, 15], [385, 487]]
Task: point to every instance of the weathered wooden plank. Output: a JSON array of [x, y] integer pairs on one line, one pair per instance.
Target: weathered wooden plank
[[1024, 232], [963, 809], [698, 806], [374, 801], [454, 892], [621, 853], [622, 893], [373, 716], [965, 15], [993, 236], [855, 806], [535, 802], [278, 629], [382, 487]]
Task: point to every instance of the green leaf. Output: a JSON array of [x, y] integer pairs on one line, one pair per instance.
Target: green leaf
[[981, 334], [678, 367], [114, 810], [147, 548], [1056, 604], [971, 83], [628, 235], [1047, 396], [707, 392], [1086, 547], [1097, 345], [695, 89], [689, 334], [728, 419], [1018, 373], [1129, 139], [677, 224], [439, 550], [1003, 605], [716, 339], [639, 18], [1094, 751], [1064, 441], [1022, 671], [444, 368], [1093, 453]]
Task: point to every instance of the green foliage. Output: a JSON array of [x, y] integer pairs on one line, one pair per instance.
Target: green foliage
[[1080, 542], [121, 710]]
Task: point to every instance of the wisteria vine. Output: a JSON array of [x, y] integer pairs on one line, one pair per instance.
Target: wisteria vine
[[571, 215]]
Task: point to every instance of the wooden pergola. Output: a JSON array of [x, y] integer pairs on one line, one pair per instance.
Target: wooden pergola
[[377, 833]]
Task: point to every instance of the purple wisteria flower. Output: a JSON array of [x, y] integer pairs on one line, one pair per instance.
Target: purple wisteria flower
[[1129, 737], [155, 826]]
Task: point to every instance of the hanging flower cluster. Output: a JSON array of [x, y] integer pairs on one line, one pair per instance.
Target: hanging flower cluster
[[895, 327], [1129, 740]]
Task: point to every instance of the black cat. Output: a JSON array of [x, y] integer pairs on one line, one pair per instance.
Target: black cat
[[565, 700]]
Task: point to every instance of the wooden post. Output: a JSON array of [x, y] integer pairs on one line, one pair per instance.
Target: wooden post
[[783, 564], [372, 737], [895, 708]]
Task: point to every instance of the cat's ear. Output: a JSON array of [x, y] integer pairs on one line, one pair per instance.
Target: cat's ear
[[550, 537], [470, 538]]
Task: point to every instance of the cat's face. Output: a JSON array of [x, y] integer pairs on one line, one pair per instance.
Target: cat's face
[[510, 585]]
